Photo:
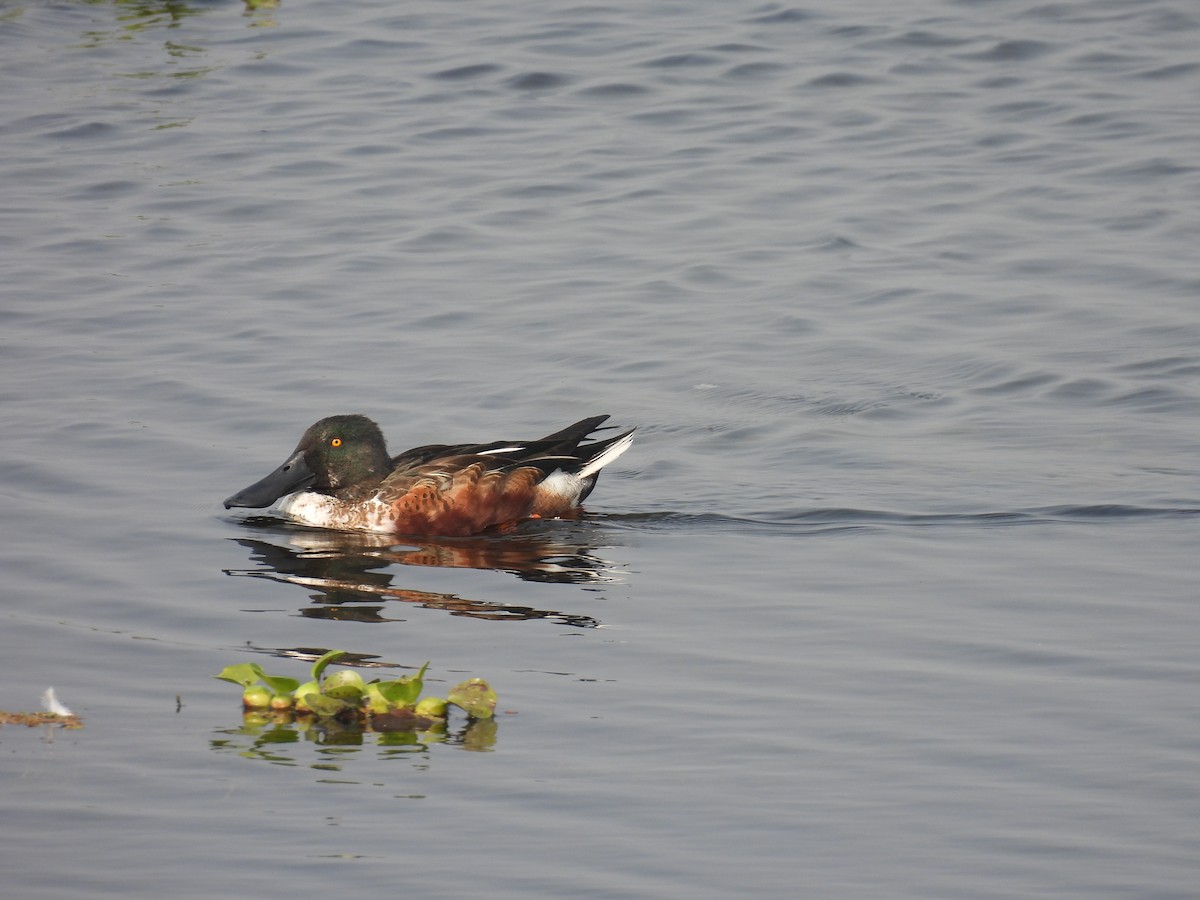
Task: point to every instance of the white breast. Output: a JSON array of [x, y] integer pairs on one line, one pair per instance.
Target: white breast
[[324, 511]]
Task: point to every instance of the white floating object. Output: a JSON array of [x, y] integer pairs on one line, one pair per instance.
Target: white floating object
[[51, 705]]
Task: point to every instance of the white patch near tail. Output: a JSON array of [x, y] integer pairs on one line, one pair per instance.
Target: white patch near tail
[[606, 457], [567, 487]]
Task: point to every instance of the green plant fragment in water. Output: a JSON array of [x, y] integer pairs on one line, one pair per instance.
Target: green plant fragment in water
[[322, 705], [404, 691], [244, 674], [319, 666], [474, 697], [344, 684]]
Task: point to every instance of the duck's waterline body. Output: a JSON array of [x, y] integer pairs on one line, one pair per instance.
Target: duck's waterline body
[[340, 476]]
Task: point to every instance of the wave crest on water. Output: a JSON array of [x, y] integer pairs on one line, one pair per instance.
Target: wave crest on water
[[836, 519]]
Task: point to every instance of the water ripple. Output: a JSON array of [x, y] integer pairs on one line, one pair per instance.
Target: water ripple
[[838, 519]]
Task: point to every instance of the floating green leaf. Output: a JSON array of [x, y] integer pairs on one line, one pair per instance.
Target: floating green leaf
[[344, 684], [280, 684], [433, 707], [301, 693], [319, 666], [404, 691], [256, 697], [322, 705], [244, 674], [474, 697], [377, 703], [344, 695]]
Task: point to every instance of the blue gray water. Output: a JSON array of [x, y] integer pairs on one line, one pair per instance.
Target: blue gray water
[[896, 593]]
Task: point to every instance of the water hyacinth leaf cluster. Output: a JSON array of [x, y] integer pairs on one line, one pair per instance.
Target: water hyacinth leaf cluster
[[347, 696]]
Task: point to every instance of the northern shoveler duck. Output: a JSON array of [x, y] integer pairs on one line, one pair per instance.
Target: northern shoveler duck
[[341, 476]]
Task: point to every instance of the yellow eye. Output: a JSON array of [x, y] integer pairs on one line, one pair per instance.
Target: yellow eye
[[336, 442]]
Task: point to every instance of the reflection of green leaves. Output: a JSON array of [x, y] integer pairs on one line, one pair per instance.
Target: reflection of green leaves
[[474, 697], [480, 736], [329, 745]]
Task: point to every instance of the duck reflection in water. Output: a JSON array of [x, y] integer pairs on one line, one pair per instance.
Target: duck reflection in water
[[354, 574]]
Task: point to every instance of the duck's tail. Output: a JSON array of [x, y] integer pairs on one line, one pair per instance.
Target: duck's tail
[[572, 475], [604, 452]]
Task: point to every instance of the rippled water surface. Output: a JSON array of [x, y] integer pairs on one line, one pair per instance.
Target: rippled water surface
[[896, 592]]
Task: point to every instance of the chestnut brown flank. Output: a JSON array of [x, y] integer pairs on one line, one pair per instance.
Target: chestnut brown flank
[[469, 501]]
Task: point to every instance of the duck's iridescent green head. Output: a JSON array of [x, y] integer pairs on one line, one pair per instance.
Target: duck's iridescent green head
[[335, 453]]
